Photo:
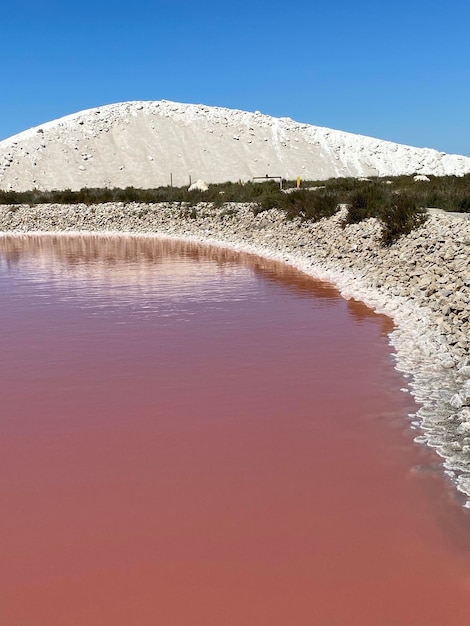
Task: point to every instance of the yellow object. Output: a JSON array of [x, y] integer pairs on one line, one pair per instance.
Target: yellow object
[[298, 182]]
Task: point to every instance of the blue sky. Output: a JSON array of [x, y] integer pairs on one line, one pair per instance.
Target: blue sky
[[397, 71]]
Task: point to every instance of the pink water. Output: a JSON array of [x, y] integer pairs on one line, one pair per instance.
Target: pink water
[[194, 437]]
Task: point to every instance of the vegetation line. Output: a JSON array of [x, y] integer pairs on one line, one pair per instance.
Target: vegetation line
[[399, 203]]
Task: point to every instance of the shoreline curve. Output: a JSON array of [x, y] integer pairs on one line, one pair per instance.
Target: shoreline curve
[[422, 282]]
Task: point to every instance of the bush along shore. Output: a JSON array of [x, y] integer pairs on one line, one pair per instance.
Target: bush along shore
[[450, 193], [420, 278]]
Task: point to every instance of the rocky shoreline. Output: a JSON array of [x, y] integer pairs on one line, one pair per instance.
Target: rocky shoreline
[[422, 282]]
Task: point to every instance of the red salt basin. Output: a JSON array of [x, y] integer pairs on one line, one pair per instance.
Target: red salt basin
[[190, 436]]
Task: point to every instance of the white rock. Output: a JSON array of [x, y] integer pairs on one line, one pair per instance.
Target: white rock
[[199, 185], [465, 371]]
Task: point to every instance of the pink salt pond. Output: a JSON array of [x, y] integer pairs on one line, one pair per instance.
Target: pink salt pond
[[194, 437]]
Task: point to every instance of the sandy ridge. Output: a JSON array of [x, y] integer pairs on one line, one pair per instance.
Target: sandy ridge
[[422, 282]]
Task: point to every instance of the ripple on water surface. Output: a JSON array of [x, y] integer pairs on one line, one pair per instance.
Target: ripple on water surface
[[195, 436]]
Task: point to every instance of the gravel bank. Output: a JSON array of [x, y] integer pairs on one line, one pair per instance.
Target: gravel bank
[[422, 282]]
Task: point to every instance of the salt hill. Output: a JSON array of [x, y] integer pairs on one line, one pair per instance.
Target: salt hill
[[148, 144]]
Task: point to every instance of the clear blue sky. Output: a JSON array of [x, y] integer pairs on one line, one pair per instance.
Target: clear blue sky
[[397, 71]]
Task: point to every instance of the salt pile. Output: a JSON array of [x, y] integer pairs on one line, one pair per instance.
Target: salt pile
[[148, 144]]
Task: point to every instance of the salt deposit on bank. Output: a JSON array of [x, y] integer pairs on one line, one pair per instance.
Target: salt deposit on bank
[[422, 282]]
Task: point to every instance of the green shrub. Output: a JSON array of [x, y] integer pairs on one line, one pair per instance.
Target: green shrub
[[464, 205], [271, 199], [451, 193], [309, 205], [365, 202], [400, 216], [189, 211], [398, 202]]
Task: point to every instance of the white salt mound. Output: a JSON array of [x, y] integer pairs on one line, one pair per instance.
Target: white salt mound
[[148, 144]]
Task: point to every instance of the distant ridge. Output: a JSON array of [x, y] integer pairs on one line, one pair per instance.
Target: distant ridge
[[148, 144]]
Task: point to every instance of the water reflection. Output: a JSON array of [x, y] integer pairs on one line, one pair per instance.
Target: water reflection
[[133, 262], [254, 462]]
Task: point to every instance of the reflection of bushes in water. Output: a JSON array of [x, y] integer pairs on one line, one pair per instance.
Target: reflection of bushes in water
[[146, 252], [361, 312]]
